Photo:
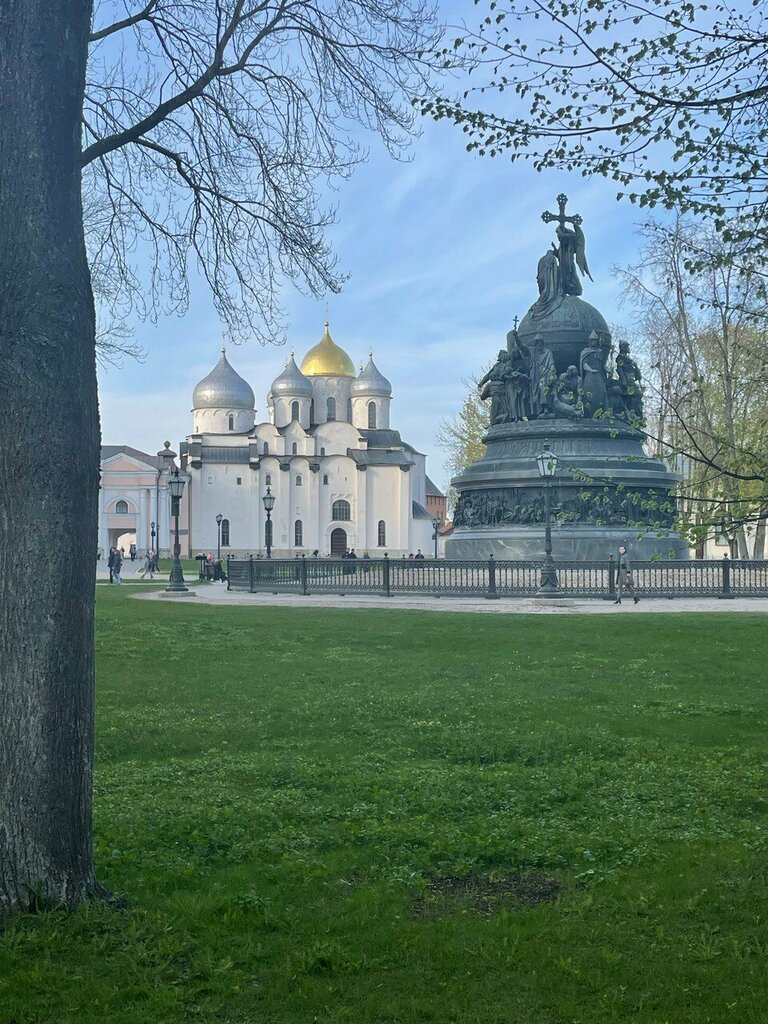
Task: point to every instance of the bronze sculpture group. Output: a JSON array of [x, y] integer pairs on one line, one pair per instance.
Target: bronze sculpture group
[[523, 383]]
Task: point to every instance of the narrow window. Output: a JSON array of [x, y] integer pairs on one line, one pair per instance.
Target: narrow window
[[231, 422], [331, 409], [239, 481], [268, 481], [265, 449], [371, 415], [225, 533], [298, 481], [294, 410], [298, 534], [325, 478], [349, 410], [121, 508], [382, 534], [294, 448], [322, 451], [341, 511]]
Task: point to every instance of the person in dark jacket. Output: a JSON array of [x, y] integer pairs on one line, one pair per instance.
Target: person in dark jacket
[[111, 564], [624, 577], [117, 565]]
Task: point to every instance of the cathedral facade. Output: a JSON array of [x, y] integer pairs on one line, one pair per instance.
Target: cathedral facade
[[341, 477]]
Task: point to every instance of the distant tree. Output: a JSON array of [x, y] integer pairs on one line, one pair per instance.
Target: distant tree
[[705, 340], [202, 129], [668, 99], [461, 436]]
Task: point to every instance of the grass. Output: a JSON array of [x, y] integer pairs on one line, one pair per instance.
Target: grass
[[331, 817]]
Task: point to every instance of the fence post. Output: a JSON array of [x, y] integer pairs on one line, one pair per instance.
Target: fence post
[[726, 589], [250, 574], [387, 590], [611, 578], [304, 575], [491, 595]]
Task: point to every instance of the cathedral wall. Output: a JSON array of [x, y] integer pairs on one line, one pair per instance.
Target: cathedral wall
[[337, 388], [283, 411], [216, 421], [360, 411]]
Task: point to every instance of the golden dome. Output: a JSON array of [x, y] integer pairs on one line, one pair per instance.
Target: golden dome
[[326, 359]]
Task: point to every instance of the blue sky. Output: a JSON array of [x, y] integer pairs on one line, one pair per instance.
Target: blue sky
[[442, 253]]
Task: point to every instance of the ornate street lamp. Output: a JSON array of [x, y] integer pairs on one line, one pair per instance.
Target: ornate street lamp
[[219, 520], [176, 580], [152, 537], [549, 586], [436, 526], [269, 504]]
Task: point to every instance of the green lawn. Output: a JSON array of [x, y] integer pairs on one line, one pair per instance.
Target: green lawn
[[315, 816]]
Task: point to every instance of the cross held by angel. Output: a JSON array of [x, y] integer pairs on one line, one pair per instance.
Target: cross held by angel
[[570, 253]]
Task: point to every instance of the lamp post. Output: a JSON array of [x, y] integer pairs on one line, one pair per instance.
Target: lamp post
[[549, 586], [436, 525], [176, 579], [269, 504], [152, 537], [219, 519]]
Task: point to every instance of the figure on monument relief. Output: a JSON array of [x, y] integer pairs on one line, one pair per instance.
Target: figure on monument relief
[[542, 376], [592, 366], [630, 380], [518, 385], [494, 386], [568, 394], [548, 280]]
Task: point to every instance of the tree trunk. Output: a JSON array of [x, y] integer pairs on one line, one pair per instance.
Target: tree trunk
[[759, 550], [49, 462]]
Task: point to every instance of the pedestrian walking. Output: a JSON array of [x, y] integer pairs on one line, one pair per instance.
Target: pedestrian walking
[[149, 566], [111, 564], [626, 584], [132, 550], [117, 565]]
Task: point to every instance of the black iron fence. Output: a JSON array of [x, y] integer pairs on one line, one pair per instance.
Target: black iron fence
[[493, 578]]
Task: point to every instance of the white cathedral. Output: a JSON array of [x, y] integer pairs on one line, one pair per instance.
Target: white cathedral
[[340, 475]]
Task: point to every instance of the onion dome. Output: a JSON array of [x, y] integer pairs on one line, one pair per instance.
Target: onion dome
[[223, 388], [326, 359], [292, 382], [372, 381]]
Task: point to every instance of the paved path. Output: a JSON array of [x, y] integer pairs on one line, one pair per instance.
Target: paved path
[[217, 593]]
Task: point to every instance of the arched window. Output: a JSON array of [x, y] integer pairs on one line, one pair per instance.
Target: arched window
[[349, 410], [265, 449], [268, 480], [231, 422], [382, 534], [371, 415], [294, 448], [330, 406], [298, 534], [294, 410], [341, 511], [325, 478], [121, 508], [225, 533], [322, 451], [298, 480]]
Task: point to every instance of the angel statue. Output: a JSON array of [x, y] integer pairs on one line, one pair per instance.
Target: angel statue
[[571, 252]]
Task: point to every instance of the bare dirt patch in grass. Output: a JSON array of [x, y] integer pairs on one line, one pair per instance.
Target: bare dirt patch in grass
[[483, 895]]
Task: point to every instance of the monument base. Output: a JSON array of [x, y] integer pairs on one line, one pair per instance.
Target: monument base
[[570, 542]]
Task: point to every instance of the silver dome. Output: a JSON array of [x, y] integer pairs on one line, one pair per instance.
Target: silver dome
[[223, 388], [292, 382], [372, 382]]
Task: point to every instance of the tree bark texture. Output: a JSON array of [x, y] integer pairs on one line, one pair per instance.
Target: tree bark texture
[[49, 461]]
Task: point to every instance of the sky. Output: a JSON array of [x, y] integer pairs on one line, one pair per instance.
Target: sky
[[441, 250]]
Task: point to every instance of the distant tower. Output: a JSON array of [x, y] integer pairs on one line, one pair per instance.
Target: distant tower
[[223, 403], [371, 398]]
